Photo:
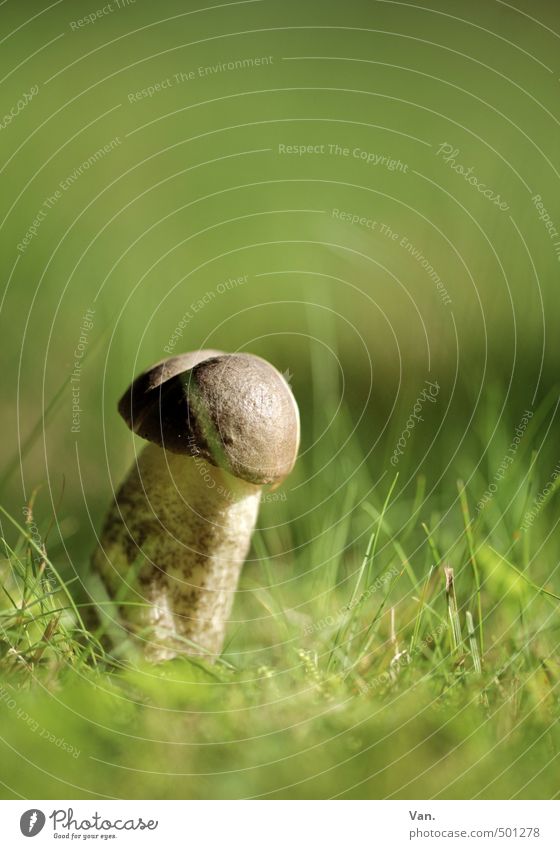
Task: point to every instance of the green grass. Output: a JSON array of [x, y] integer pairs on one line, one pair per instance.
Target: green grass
[[398, 645]]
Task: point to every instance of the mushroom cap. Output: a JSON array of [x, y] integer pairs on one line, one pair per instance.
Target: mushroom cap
[[234, 410]]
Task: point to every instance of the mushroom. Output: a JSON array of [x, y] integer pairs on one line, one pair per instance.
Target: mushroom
[[176, 537]]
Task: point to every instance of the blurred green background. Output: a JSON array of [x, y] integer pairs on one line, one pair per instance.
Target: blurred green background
[[195, 188], [196, 192]]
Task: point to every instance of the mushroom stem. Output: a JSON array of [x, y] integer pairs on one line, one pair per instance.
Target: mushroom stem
[[175, 540]]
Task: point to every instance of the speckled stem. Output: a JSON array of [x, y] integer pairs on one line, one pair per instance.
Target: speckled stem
[[175, 540]]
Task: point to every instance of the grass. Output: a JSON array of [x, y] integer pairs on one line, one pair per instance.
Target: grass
[[379, 647]]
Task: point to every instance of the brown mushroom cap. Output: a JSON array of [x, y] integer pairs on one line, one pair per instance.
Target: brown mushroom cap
[[234, 410], [144, 391]]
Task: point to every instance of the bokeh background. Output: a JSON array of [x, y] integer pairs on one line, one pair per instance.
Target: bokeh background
[[146, 186], [195, 192]]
